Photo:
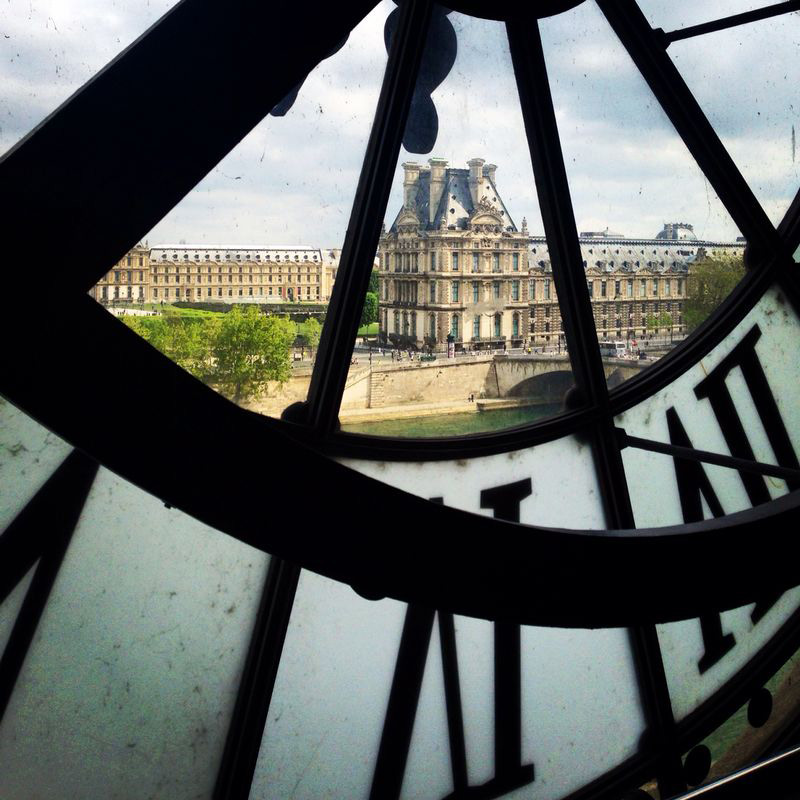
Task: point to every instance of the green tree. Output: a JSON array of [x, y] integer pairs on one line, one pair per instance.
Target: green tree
[[312, 332], [369, 313], [709, 282], [654, 322], [185, 340], [373, 282], [250, 349]]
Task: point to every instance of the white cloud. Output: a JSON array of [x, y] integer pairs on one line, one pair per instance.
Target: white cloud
[[292, 179]]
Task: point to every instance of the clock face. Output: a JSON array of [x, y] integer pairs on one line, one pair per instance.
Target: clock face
[[576, 601]]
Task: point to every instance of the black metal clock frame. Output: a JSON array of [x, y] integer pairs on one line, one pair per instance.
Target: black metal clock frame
[[57, 193]]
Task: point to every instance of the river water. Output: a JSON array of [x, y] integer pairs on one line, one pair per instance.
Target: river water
[[455, 424]]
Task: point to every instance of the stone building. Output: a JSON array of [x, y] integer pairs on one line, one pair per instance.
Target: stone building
[[128, 281], [238, 274], [629, 281], [199, 273], [453, 262]]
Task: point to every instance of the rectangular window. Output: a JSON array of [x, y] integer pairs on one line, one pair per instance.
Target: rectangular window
[[655, 287], [155, 292], [476, 291], [602, 288], [496, 289], [495, 262], [455, 291], [433, 262], [643, 288], [515, 262], [667, 287], [630, 288], [476, 328], [433, 291], [455, 262], [515, 290], [617, 289], [475, 260], [547, 288], [590, 287]]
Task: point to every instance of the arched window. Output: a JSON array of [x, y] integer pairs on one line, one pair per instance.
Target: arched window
[[454, 326]]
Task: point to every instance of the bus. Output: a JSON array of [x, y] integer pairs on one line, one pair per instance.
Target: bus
[[611, 349]]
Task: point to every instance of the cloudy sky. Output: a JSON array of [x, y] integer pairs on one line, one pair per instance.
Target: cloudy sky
[[291, 180]]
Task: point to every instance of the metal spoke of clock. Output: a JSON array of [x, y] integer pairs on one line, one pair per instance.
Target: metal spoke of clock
[[789, 228], [684, 112], [741, 464], [49, 519], [320, 412], [243, 742], [25, 540], [372, 194], [565, 254], [729, 22]]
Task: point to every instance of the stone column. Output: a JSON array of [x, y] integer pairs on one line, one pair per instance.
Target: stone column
[[410, 183], [437, 183], [476, 178]]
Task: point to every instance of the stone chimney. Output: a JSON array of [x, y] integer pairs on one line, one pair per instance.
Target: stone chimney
[[489, 171], [476, 179], [438, 169], [410, 182]]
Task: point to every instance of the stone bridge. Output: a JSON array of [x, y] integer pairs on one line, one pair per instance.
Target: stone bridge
[[536, 377], [548, 376]]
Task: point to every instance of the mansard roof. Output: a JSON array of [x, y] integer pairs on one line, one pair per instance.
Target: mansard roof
[[455, 207]]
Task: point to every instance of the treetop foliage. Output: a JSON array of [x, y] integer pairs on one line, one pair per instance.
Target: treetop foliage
[[369, 312], [373, 282], [709, 282], [238, 352]]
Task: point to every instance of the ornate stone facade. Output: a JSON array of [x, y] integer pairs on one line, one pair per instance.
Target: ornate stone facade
[[453, 262]]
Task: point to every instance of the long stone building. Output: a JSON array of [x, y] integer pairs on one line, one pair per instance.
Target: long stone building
[[630, 281], [220, 274], [453, 262]]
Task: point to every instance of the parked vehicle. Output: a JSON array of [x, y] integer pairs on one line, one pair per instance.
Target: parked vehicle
[[611, 349]]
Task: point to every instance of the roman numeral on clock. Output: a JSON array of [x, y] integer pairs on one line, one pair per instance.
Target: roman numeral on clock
[[510, 772], [694, 484]]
